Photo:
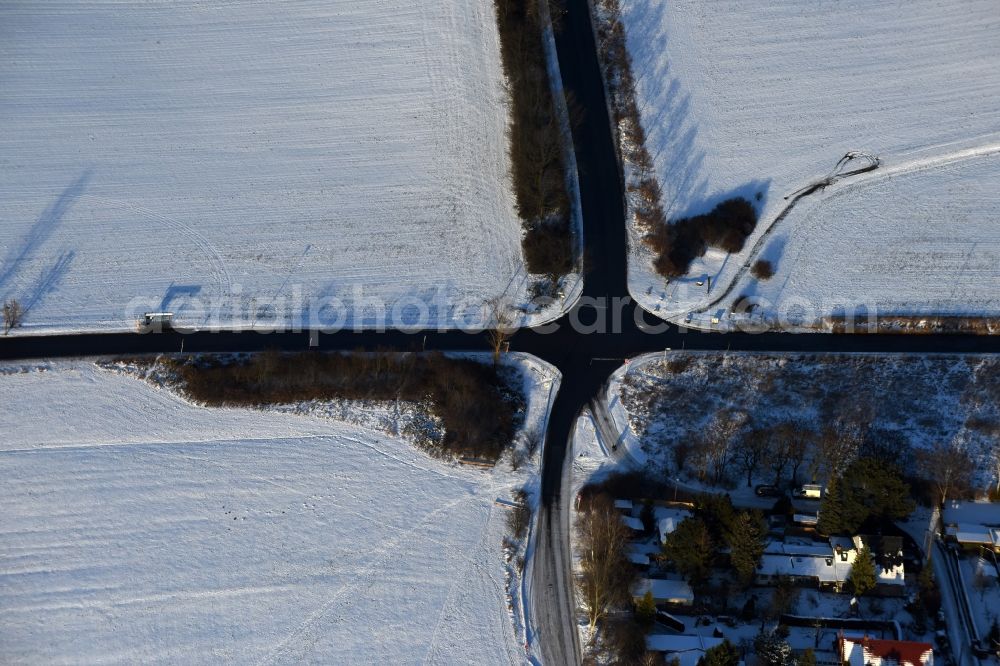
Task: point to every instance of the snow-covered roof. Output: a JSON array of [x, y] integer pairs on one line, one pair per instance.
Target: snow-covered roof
[[790, 548], [827, 569], [638, 558], [974, 533], [890, 576], [664, 590], [633, 523], [681, 643], [887, 552], [972, 513], [668, 519], [666, 526]]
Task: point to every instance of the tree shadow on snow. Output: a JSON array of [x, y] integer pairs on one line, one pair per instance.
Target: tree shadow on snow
[[668, 120], [665, 109], [42, 229], [48, 281]]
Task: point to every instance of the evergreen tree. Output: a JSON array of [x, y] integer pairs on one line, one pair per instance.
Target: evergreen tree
[[645, 610], [772, 650], [745, 538], [868, 490], [831, 519], [690, 549], [929, 594], [724, 654], [863, 572]]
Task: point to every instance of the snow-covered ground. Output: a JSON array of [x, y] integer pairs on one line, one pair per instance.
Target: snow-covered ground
[[906, 401], [937, 252], [138, 527], [312, 162], [745, 98]]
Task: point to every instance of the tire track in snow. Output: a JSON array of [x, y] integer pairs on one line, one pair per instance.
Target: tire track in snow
[[506, 627], [363, 576], [220, 271]]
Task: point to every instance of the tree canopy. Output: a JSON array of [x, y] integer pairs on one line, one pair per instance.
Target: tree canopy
[[867, 491], [745, 538], [863, 577], [724, 654], [690, 549]]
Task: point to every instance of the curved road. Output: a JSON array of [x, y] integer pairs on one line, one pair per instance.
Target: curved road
[[586, 358]]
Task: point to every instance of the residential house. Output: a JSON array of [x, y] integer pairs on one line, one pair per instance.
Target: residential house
[[828, 565], [686, 648], [973, 525], [667, 520], [887, 552], [865, 651]]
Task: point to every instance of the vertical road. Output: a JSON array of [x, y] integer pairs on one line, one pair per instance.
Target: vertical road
[[605, 261]]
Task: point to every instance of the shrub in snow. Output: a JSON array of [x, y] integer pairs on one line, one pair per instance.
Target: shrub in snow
[[762, 269]]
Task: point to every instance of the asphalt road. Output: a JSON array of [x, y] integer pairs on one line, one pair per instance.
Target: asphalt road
[[585, 359]]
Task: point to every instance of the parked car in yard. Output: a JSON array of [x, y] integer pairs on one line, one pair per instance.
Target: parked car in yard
[[767, 491]]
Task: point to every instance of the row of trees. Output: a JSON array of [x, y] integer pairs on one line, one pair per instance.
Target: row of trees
[[732, 443], [538, 166], [792, 451], [468, 409]]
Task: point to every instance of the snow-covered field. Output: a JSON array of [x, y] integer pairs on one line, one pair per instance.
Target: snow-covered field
[[936, 251], [254, 157], [140, 528], [746, 98]]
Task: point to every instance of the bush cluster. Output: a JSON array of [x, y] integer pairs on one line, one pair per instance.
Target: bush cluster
[[475, 404], [547, 247], [536, 149], [763, 269], [679, 243]]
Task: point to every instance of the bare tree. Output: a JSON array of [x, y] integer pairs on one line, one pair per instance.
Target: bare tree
[[788, 445], [750, 451], [502, 324], [838, 446], [996, 464], [717, 446], [799, 446], [606, 573], [12, 313], [948, 467], [533, 438]]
